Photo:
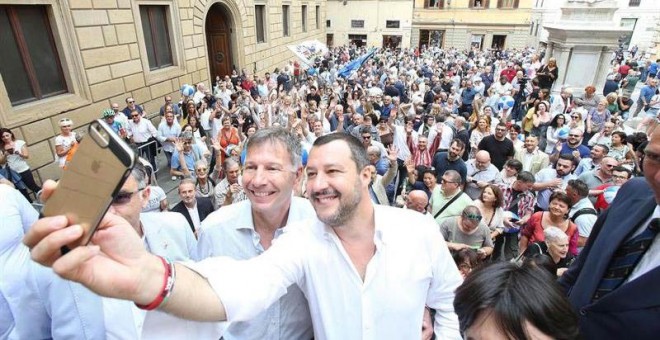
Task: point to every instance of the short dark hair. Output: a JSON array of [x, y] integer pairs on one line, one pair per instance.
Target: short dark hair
[[459, 143], [606, 149], [525, 177], [514, 295], [562, 197], [515, 164], [580, 187], [516, 128], [358, 151], [620, 168], [567, 157]]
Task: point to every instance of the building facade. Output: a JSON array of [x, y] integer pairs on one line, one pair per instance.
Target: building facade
[[639, 15], [463, 24], [379, 23], [73, 58]]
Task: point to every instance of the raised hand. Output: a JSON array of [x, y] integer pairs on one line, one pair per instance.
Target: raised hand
[[392, 153], [179, 144]]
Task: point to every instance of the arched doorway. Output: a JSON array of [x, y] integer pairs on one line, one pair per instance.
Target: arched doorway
[[218, 40]]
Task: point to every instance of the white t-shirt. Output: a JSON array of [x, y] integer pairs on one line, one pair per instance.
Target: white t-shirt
[[16, 162], [156, 195], [66, 143]]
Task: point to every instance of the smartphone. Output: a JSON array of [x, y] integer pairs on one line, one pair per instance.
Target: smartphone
[[95, 174]]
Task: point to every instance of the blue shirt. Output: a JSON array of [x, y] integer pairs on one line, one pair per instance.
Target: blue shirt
[[583, 150], [467, 96], [191, 157], [647, 92]]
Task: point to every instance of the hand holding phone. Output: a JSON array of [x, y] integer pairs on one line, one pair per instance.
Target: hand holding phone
[[95, 174]]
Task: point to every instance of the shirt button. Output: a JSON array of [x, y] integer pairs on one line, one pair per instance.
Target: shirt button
[[583, 311]]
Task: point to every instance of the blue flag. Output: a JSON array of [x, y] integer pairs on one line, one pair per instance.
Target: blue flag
[[355, 64]]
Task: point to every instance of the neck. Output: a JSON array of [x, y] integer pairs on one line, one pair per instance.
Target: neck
[[202, 180], [556, 219], [138, 228], [190, 205], [555, 258], [269, 222], [361, 227]]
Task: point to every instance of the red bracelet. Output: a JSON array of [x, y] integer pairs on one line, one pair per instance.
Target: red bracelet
[[168, 284]]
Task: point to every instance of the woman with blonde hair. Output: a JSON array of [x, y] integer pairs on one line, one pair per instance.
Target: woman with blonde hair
[[479, 131]]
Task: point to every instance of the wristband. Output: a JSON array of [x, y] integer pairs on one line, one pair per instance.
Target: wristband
[[168, 284]]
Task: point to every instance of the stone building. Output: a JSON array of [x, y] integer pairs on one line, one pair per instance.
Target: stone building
[[73, 58], [638, 16], [463, 23], [379, 23]]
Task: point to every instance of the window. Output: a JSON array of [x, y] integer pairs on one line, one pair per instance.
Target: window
[[29, 56], [430, 38], [318, 17], [304, 18], [434, 4], [328, 23], [479, 4], [156, 36], [507, 3], [260, 22], [285, 20], [357, 23], [634, 3], [392, 23]]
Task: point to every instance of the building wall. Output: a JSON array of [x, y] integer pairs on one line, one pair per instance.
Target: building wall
[[460, 22], [646, 14], [375, 13], [103, 57]]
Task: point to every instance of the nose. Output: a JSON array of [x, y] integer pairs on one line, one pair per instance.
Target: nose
[[318, 183], [259, 177]]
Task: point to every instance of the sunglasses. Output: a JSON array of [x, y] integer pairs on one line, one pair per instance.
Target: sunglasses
[[133, 116], [124, 197], [472, 217], [201, 169], [131, 101]]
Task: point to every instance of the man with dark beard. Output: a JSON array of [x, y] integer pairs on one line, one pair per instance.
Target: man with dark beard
[[451, 160]]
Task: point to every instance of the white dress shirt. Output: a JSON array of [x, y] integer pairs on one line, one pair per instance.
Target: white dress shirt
[[230, 232], [411, 268], [142, 131]]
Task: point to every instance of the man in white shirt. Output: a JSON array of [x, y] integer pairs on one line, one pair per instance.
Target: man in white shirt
[[168, 132], [140, 130], [480, 173], [582, 213], [355, 263], [246, 229]]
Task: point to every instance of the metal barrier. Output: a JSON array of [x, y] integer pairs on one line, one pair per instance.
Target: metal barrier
[[148, 151]]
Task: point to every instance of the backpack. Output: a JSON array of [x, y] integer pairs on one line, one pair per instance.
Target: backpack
[[583, 211]]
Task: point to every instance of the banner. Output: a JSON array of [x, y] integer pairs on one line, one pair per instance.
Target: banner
[[308, 51]]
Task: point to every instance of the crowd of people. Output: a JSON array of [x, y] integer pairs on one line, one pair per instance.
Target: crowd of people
[[422, 168]]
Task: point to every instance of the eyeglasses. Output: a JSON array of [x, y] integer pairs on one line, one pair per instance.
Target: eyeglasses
[[131, 101], [133, 116], [500, 130], [366, 137], [66, 126], [472, 217], [578, 136], [201, 169], [444, 181], [575, 117], [608, 165], [124, 197]]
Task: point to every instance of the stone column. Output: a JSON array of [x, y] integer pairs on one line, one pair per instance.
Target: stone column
[[604, 66], [561, 53]]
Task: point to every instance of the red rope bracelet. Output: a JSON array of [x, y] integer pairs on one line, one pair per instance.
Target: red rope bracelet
[[166, 290]]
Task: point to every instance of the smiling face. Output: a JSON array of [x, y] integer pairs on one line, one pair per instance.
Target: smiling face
[[334, 184], [558, 208], [269, 177]]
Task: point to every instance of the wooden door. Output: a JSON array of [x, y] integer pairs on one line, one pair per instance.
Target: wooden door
[[218, 40]]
